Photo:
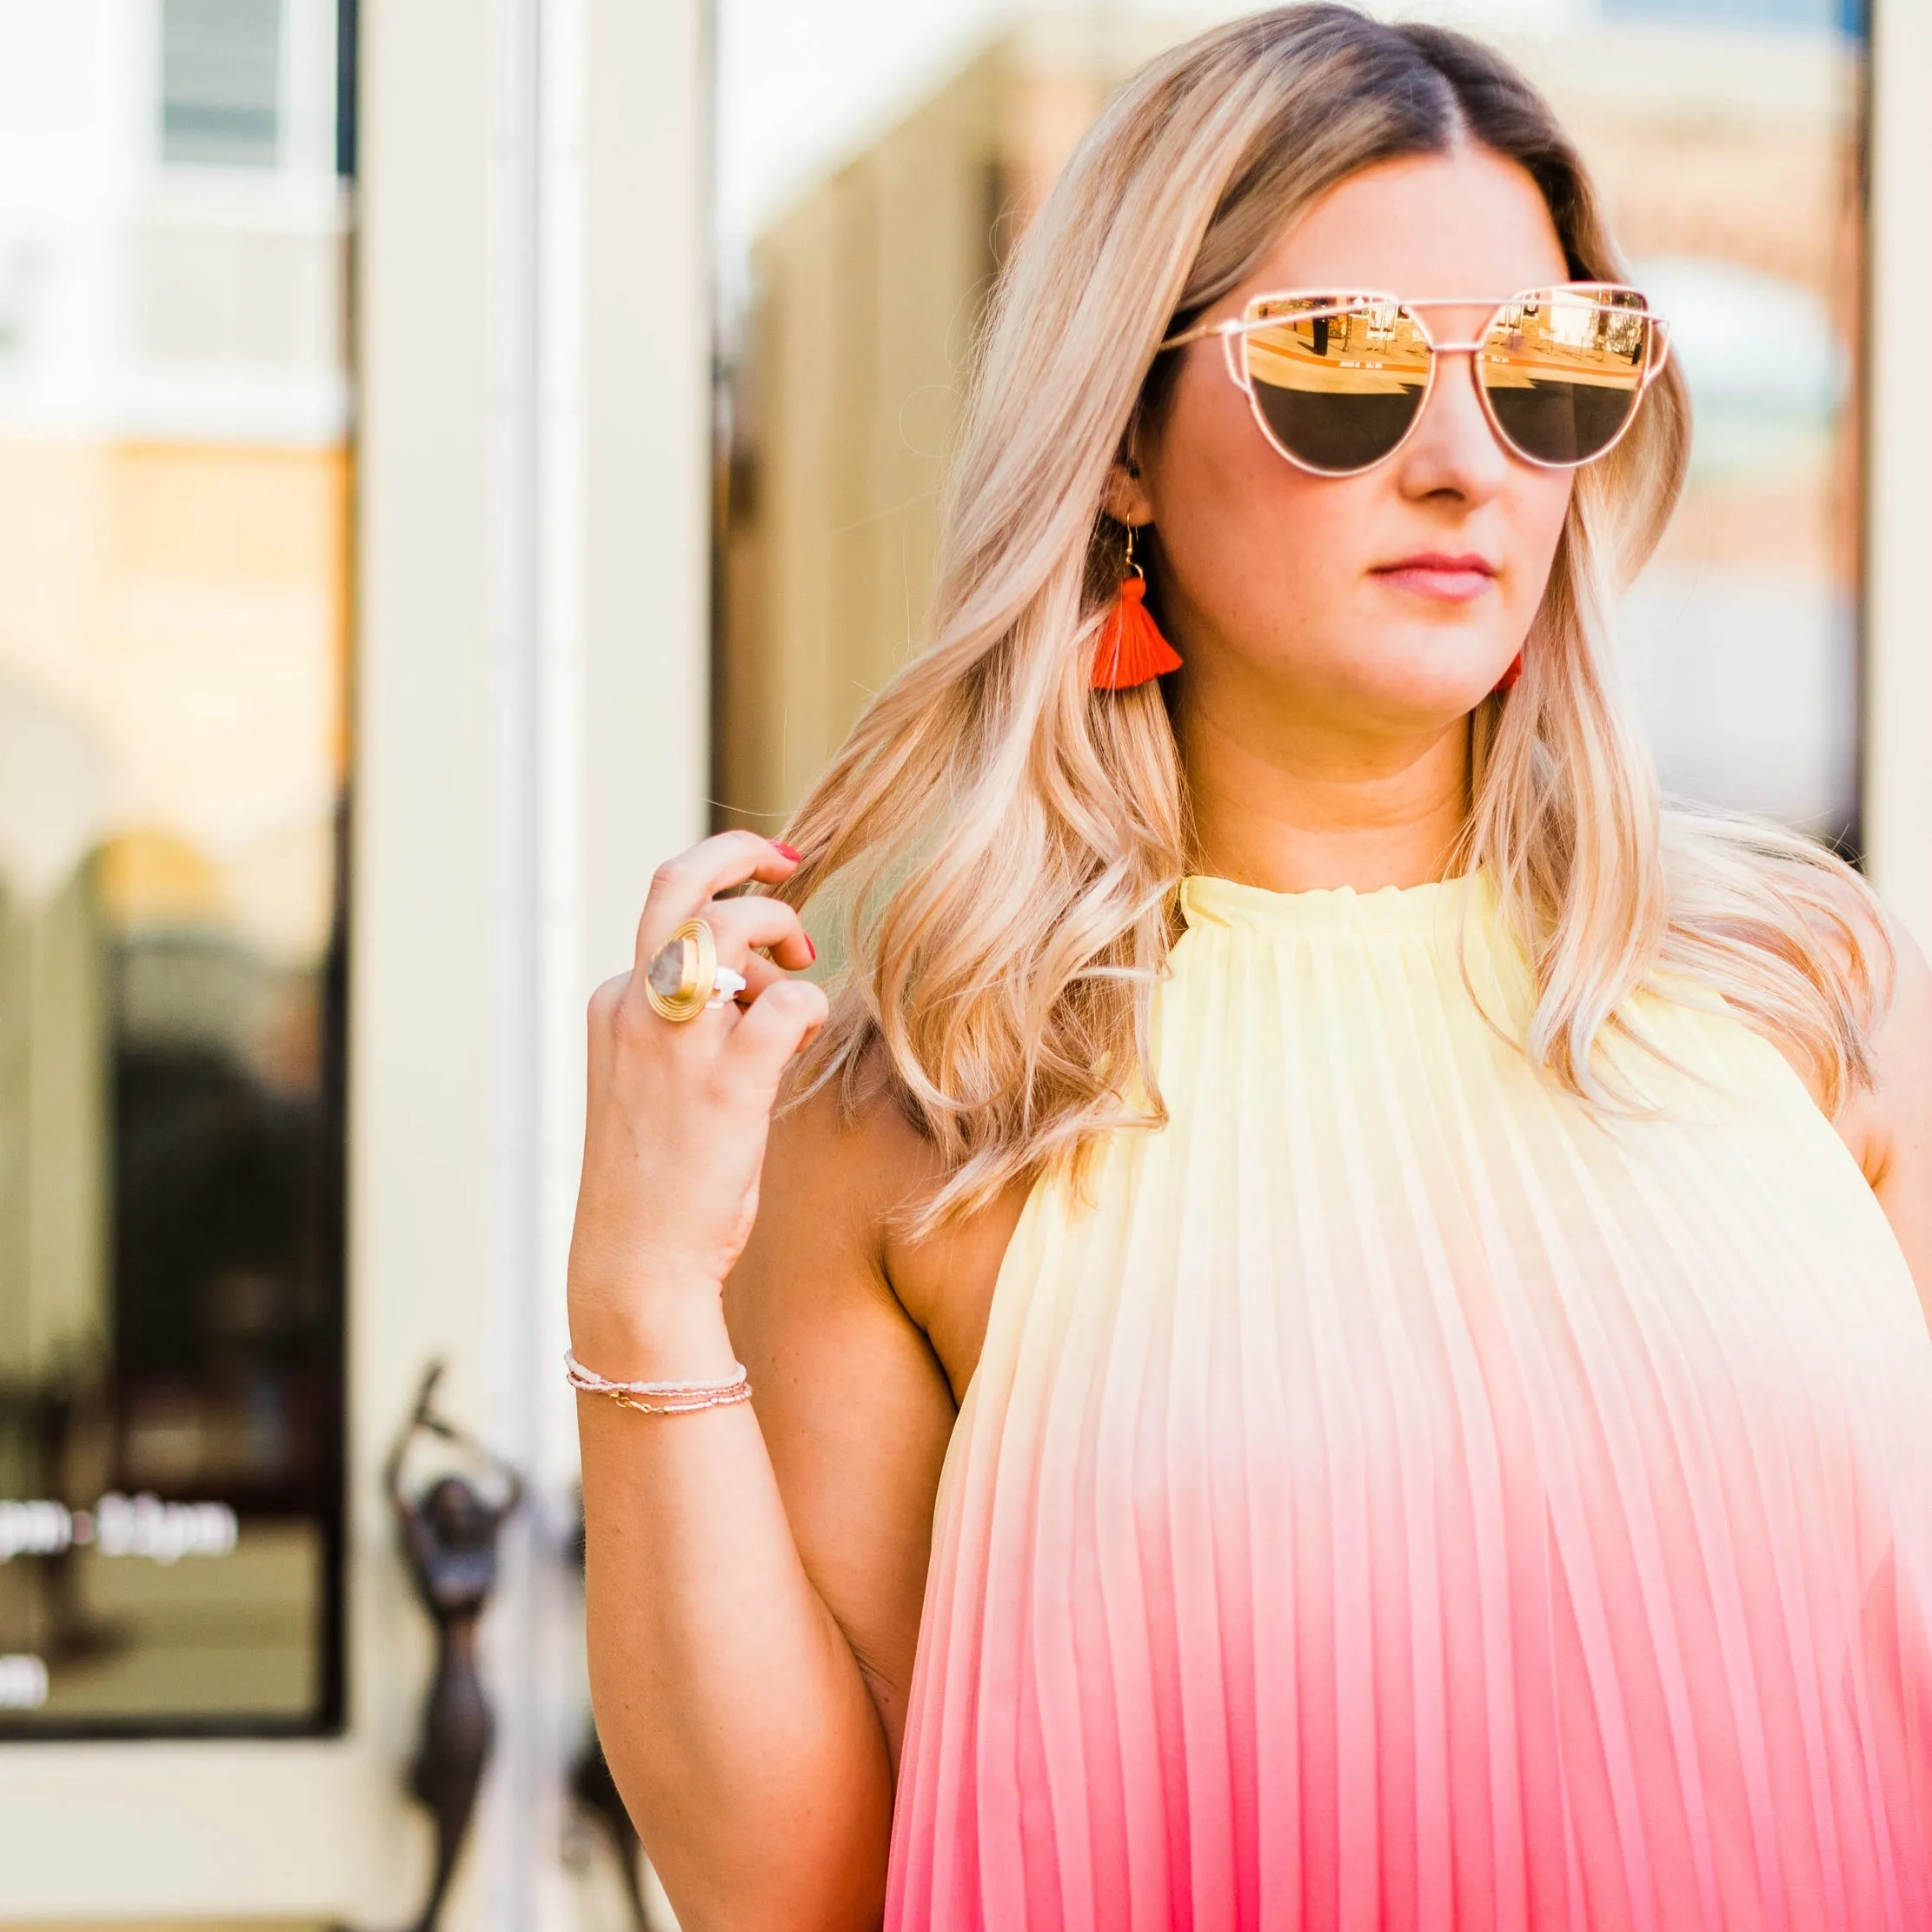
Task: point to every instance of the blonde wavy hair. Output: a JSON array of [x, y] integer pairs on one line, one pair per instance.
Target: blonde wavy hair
[[1008, 843]]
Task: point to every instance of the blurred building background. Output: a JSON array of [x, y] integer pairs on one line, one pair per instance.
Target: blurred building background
[[451, 451], [1730, 139]]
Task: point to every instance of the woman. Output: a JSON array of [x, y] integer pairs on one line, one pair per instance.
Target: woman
[[1332, 1309]]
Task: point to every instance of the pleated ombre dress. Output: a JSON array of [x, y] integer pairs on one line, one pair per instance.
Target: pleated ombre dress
[[1399, 1501]]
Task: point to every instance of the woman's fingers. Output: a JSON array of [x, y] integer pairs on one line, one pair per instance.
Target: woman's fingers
[[759, 973], [683, 887], [678, 1111], [781, 1021], [742, 927]]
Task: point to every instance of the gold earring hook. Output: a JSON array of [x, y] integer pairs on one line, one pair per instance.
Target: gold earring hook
[[1131, 564]]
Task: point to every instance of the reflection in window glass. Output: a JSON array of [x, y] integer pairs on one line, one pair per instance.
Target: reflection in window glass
[[873, 170], [174, 493], [220, 81]]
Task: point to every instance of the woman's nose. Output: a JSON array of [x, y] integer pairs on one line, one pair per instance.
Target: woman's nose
[[1454, 449]]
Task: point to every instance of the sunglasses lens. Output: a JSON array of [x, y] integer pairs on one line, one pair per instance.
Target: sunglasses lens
[[1337, 390], [1563, 371]]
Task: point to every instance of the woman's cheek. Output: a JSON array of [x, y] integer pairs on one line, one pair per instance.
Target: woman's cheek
[[1551, 512]]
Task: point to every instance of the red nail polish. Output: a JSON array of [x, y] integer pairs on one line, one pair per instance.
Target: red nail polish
[[790, 852], [810, 948]]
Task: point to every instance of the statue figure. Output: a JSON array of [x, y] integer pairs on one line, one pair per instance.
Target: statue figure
[[448, 1533]]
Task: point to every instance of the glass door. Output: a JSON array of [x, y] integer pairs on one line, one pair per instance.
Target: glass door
[[176, 469]]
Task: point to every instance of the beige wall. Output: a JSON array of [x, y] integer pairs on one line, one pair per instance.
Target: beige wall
[[870, 291]]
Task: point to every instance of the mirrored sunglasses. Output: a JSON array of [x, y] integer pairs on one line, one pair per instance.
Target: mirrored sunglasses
[[1337, 381]]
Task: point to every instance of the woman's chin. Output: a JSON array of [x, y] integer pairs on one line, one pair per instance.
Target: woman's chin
[[1419, 679], [1431, 686]]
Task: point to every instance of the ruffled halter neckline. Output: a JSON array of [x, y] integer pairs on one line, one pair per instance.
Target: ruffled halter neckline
[[1430, 907]]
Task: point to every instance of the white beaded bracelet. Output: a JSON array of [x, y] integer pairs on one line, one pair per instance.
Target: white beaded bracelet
[[684, 1396]]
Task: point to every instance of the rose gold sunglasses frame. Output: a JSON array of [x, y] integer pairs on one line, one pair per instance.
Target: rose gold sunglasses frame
[[1657, 354]]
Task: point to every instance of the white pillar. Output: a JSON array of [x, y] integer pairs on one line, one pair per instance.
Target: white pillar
[[600, 701]]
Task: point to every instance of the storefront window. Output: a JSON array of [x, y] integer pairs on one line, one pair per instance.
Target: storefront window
[[221, 80], [174, 479], [875, 163]]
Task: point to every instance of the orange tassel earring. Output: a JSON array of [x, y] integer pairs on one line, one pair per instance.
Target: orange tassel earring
[[1508, 680], [1131, 649]]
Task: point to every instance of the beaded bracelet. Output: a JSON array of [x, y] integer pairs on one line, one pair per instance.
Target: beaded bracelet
[[684, 1396]]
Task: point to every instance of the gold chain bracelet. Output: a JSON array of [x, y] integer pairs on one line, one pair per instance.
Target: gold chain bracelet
[[659, 1398]]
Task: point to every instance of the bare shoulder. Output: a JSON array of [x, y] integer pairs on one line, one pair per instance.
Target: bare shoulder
[[840, 1182], [832, 1179], [1891, 1117], [1867, 1118], [1888, 1125], [852, 1395], [1864, 957], [809, 1302]]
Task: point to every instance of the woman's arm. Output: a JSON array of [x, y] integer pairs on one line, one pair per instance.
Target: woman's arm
[[737, 1719], [856, 1407]]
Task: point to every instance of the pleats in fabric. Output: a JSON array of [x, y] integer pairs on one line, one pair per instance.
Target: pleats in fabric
[[1400, 1500]]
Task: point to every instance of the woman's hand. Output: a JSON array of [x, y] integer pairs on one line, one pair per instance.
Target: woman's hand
[[738, 1722], [678, 1111]]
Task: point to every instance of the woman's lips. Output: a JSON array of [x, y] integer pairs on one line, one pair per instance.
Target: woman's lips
[[1448, 580]]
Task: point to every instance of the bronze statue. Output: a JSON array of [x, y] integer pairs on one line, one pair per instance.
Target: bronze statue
[[448, 1533]]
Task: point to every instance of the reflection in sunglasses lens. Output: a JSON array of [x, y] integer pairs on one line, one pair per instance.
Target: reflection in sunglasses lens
[[1338, 391], [1563, 371]]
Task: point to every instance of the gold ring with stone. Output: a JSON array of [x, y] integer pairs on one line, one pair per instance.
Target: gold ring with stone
[[684, 976]]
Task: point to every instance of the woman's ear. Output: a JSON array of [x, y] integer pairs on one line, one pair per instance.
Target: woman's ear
[[1125, 498]]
